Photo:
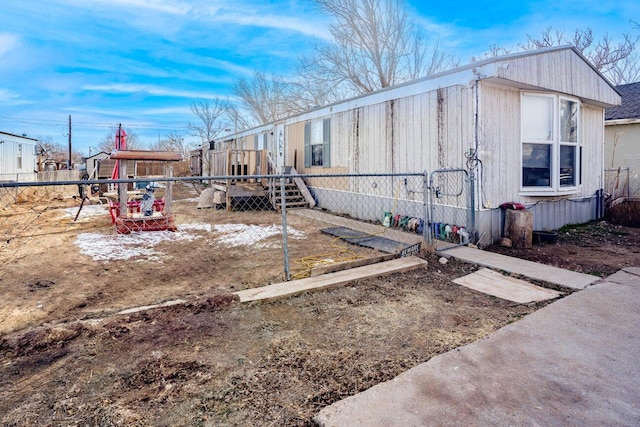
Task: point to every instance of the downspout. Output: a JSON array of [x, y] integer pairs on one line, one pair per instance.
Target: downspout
[[600, 192], [474, 157], [476, 129]]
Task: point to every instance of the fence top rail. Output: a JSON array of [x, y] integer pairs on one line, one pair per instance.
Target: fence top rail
[[199, 178], [618, 169]]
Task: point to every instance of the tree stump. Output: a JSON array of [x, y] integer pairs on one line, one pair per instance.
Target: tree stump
[[519, 228]]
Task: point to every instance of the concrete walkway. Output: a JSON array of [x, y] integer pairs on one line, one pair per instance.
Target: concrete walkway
[[574, 362], [533, 270]]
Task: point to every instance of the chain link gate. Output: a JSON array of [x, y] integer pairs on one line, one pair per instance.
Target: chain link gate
[[451, 201]]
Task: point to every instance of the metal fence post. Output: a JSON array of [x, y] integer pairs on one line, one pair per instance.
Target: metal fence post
[[285, 244], [426, 228], [431, 210], [472, 206]]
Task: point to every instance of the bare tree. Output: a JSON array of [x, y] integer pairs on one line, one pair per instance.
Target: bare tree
[[175, 142], [626, 70], [264, 99], [49, 150], [615, 60], [212, 118], [375, 45], [132, 139], [238, 119]]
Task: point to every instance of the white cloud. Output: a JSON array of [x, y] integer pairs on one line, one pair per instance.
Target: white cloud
[[8, 42], [170, 7], [148, 89], [166, 111], [288, 23], [262, 14], [9, 97]]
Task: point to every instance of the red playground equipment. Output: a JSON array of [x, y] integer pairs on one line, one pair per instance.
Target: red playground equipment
[[143, 212]]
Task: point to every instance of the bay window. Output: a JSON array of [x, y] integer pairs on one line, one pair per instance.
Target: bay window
[[550, 143]]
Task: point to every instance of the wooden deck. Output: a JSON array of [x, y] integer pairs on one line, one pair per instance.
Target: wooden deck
[[242, 174]]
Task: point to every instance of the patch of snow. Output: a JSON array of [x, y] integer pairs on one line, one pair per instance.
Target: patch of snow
[[249, 234], [87, 211], [201, 227], [109, 247], [142, 245]]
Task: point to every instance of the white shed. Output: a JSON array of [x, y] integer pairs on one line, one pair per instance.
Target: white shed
[[18, 159], [92, 163]]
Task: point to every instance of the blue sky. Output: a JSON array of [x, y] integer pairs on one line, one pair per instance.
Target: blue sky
[[143, 62]]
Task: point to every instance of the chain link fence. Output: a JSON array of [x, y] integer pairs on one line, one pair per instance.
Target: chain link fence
[[624, 181], [301, 223], [633, 162], [450, 203], [616, 183]]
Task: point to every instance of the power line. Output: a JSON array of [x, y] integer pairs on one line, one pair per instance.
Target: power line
[[57, 123]]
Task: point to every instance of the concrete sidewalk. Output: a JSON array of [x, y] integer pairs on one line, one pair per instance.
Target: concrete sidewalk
[[575, 362]]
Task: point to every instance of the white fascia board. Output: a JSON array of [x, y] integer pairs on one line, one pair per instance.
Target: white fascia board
[[463, 77], [621, 122]]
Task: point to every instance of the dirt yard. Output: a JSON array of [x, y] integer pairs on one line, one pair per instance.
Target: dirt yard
[[598, 248], [68, 358]]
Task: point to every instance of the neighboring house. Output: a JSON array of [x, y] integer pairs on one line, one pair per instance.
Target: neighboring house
[[622, 143], [18, 159], [92, 164], [533, 119]]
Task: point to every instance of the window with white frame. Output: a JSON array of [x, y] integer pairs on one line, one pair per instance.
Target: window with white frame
[[550, 143], [317, 143], [19, 157]]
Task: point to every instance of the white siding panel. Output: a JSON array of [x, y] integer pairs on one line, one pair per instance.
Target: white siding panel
[[499, 145], [592, 152], [499, 148], [374, 151], [560, 71], [9, 170], [342, 139], [422, 132]]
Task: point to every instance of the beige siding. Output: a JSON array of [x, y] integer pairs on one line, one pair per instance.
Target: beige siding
[[622, 150], [622, 146], [294, 143], [560, 71], [295, 150]]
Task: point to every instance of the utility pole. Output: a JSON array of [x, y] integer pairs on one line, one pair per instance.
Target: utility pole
[[69, 164]]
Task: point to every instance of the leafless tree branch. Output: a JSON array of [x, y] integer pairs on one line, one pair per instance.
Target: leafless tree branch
[[211, 114], [375, 45]]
